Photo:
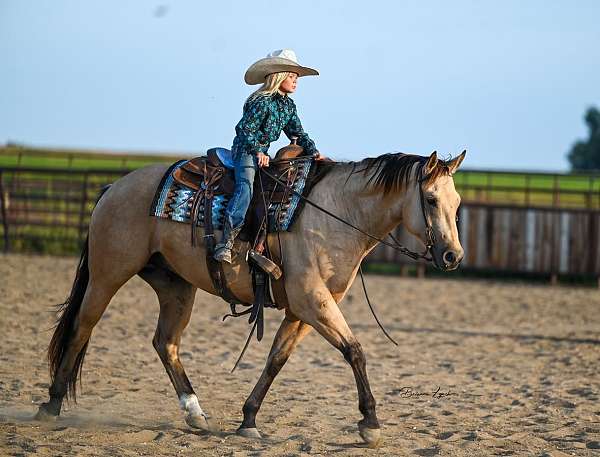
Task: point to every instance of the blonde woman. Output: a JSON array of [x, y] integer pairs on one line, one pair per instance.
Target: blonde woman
[[267, 112]]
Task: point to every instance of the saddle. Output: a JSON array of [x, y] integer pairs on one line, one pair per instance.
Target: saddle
[[218, 162], [199, 170], [213, 173]]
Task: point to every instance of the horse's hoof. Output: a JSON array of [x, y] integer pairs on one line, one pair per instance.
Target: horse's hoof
[[249, 433], [201, 422], [371, 436], [44, 415]]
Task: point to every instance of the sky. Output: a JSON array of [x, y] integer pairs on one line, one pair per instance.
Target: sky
[[508, 81]]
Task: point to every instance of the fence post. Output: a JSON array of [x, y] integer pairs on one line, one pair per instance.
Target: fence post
[[83, 205], [3, 214]]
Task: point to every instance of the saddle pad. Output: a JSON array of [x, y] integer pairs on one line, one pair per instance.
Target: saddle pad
[[282, 215], [173, 201]]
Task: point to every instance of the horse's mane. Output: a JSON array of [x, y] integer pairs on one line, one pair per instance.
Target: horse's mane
[[390, 172]]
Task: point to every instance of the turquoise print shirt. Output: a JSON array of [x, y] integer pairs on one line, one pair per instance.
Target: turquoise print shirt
[[262, 122]]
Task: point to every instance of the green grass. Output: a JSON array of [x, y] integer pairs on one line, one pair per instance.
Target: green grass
[[11, 156], [575, 182]]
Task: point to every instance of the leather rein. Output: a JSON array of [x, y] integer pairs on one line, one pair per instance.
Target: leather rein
[[429, 234]]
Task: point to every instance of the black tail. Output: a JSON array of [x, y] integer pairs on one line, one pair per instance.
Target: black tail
[[64, 329], [67, 314]]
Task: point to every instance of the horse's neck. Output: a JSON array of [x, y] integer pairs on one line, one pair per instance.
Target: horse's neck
[[367, 209]]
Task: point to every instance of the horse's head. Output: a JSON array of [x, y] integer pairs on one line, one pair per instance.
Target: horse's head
[[430, 210]]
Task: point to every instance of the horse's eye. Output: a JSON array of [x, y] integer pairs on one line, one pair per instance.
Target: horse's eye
[[432, 201]]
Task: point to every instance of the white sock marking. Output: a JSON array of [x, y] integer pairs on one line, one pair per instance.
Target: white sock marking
[[190, 404]]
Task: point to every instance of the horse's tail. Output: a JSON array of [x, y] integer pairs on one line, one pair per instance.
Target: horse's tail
[[65, 325]]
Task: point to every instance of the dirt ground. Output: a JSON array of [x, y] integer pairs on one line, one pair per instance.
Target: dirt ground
[[516, 370]]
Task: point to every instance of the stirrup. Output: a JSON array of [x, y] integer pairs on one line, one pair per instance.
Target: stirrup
[[266, 265]]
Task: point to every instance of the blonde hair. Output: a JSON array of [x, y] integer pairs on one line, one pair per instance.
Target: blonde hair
[[270, 86]]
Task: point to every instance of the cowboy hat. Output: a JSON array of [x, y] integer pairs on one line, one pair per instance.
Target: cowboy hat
[[275, 62]]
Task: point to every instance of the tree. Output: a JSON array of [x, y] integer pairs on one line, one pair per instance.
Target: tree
[[585, 155]]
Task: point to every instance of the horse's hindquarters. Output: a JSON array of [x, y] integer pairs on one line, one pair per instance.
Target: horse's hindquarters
[[121, 233]]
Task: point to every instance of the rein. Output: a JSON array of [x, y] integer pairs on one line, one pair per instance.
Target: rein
[[429, 235]]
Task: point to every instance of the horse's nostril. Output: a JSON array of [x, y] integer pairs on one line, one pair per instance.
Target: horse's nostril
[[449, 257]]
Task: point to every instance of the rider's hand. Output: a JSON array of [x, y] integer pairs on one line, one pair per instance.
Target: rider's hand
[[263, 159], [318, 156]]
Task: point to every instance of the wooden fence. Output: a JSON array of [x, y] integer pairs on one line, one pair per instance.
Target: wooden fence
[[514, 239], [47, 210]]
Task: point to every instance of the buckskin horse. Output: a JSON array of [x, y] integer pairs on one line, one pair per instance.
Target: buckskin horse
[[322, 258]]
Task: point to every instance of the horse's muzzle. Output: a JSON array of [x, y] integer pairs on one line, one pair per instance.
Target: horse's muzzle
[[451, 259]]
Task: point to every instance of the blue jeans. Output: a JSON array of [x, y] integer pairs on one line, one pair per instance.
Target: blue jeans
[[245, 166]]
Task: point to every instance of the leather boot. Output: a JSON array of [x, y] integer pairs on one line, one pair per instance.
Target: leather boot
[[223, 249]]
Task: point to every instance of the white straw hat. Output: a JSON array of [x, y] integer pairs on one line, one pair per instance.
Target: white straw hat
[[275, 62]]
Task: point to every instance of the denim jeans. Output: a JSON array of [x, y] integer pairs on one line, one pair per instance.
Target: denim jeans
[[245, 166]]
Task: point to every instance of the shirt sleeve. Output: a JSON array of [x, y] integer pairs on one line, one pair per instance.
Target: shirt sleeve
[[294, 128], [248, 129]]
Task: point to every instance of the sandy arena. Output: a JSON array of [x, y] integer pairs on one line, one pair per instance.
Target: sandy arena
[[515, 367]]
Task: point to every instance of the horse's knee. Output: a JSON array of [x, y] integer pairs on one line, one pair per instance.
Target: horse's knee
[[354, 354]]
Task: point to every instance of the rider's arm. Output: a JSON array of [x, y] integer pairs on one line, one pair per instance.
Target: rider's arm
[[248, 129], [294, 128]]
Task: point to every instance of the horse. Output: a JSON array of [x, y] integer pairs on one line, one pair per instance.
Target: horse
[[320, 262]]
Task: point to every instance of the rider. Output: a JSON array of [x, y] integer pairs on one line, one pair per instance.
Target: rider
[[266, 113]]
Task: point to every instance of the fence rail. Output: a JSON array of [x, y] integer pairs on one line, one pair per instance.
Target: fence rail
[[48, 210], [542, 241]]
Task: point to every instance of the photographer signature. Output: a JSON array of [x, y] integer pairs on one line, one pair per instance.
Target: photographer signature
[[409, 392]]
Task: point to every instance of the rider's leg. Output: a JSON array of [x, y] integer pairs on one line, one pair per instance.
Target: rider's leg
[[245, 166]]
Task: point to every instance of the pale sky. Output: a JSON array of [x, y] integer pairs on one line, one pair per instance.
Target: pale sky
[[509, 81]]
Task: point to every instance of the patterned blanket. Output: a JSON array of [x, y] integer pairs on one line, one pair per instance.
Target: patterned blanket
[[173, 201]]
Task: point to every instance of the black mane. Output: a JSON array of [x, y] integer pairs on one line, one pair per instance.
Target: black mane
[[390, 172]]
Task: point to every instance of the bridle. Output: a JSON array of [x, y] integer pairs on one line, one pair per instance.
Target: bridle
[[429, 234]]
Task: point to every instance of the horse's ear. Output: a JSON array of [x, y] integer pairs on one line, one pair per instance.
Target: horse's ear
[[431, 163], [455, 163]]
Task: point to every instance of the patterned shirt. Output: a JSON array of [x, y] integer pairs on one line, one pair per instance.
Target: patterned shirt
[[264, 117]]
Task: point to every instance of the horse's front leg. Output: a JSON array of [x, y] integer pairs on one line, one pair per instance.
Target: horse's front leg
[[320, 310], [290, 333]]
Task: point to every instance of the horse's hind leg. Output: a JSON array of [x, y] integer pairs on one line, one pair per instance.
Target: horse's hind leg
[[290, 333], [176, 298], [69, 344]]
